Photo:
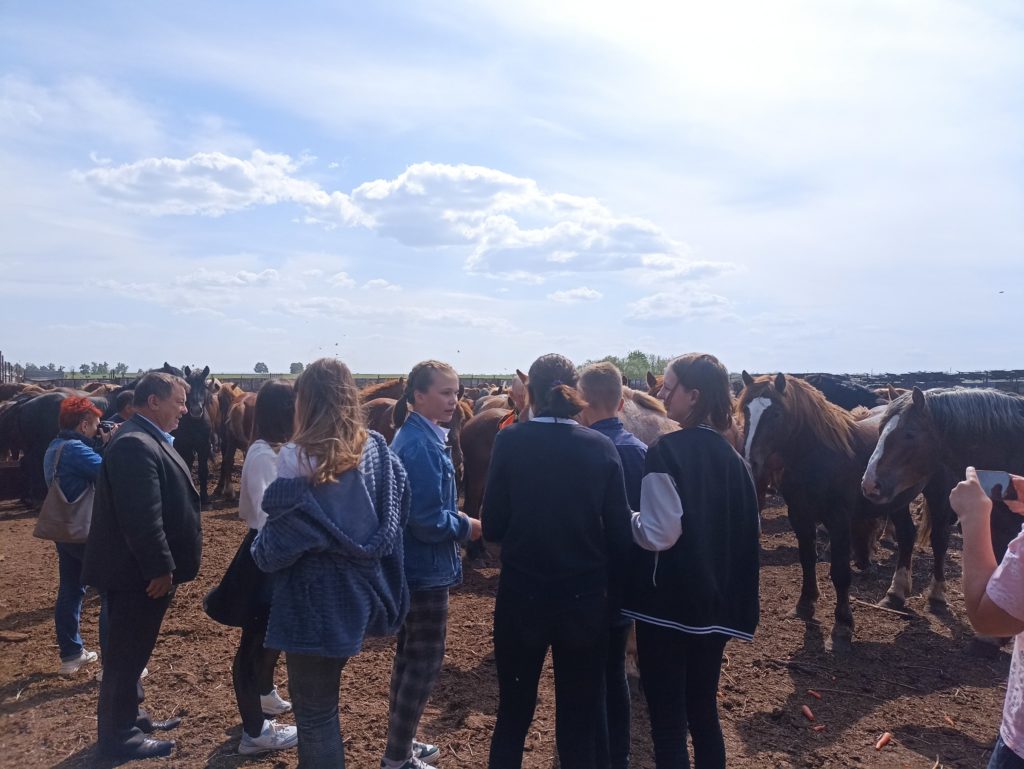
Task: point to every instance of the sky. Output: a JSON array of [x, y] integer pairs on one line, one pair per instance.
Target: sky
[[794, 186]]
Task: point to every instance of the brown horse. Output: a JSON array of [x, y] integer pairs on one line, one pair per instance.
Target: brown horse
[[378, 414], [492, 402], [389, 388], [824, 450], [930, 437], [236, 433]]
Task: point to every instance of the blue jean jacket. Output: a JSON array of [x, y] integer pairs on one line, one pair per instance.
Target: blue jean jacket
[[435, 528]]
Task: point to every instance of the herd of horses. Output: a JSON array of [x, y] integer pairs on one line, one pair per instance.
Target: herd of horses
[[843, 457]]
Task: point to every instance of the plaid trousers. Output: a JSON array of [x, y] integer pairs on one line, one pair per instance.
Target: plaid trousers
[[418, 661]]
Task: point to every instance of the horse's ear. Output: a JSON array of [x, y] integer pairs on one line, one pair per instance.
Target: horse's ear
[[187, 370], [918, 397], [747, 379], [651, 379], [206, 372], [462, 390], [625, 381], [780, 382], [501, 389], [524, 378], [893, 395]]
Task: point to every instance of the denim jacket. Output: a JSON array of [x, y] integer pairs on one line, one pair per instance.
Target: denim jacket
[[432, 558], [79, 464]]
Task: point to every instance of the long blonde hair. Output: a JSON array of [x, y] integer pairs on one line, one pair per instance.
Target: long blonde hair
[[328, 419]]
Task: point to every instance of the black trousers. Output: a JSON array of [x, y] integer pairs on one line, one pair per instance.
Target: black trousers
[[679, 672], [134, 621], [575, 628], [613, 723], [252, 674]]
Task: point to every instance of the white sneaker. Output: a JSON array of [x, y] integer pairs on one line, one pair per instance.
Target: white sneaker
[[70, 667], [274, 736], [145, 672], [272, 703]]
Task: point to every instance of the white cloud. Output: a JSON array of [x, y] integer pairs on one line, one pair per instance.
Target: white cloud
[[575, 295], [379, 284], [213, 184], [214, 280], [683, 304], [339, 279]]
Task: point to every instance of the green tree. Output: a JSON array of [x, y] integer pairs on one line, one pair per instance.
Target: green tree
[[261, 368], [84, 368], [120, 369], [296, 368]]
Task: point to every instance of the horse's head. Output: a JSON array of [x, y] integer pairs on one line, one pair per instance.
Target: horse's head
[[199, 393], [905, 455], [654, 382], [763, 404]]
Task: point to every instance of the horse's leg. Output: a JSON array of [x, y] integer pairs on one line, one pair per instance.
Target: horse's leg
[[842, 631], [903, 524], [203, 452], [803, 527], [228, 467], [941, 515]]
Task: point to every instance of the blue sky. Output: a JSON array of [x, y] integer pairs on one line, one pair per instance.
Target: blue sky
[[791, 186]]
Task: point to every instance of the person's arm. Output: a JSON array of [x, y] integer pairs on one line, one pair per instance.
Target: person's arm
[[429, 520], [659, 523], [616, 517], [79, 459], [987, 617], [258, 471], [288, 533], [134, 476], [497, 506]]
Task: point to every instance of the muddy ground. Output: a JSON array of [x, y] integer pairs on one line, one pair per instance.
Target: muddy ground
[[907, 675]]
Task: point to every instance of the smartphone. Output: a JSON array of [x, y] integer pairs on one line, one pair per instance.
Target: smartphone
[[998, 484]]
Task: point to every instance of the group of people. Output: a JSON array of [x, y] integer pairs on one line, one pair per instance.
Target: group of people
[[351, 538]]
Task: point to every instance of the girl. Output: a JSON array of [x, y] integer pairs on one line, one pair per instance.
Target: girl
[[432, 560], [556, 502], [333, 542], [694, 583], [253, 670]]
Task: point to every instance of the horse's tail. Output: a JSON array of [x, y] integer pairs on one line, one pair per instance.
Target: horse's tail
[[924, 531]]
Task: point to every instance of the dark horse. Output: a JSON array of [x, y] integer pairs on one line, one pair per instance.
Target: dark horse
[[192, 436], [930, 438], [824, 450], [843, 392]]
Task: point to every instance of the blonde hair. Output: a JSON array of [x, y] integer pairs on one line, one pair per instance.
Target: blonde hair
[[601, 385], [420, 379], [328, 419]]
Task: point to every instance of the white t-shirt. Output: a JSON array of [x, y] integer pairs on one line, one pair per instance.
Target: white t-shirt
[[258, 471], [1006, 590]]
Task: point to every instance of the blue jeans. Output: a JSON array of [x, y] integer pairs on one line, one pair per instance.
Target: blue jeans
[[67, 612], [314, 683], [1004, 758]]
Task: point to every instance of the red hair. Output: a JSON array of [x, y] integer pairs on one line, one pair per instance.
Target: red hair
[[73, 410]]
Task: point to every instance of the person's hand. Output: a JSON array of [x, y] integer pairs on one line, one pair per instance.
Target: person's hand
[[476, 530], [159, 586], [105, 435], [969, 500]]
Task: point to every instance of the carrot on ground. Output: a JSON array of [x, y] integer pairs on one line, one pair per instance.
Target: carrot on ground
[[884, 740], [949, 721], [814, 694], [819, 728], [807, 713]]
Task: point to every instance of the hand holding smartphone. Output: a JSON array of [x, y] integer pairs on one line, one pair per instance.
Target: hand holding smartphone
[[1000, 485]]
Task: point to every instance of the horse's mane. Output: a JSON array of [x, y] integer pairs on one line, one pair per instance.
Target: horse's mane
[[804, 403], [371, 391], [643, 400], [967, 416]]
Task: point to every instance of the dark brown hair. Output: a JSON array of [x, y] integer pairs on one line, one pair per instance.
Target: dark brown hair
[[552, 387], [274, 418], [419, 380], [124, 398], [704, 372]]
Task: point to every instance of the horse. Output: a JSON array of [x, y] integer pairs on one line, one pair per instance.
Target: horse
[[389, 388], [844, 392], [192, 435], [227, 394], [499, 401], [237, 434], [644, 416], [929, 438], [824, 450]]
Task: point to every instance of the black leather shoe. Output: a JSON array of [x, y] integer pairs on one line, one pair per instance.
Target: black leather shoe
[[146, 749], [148, 726]]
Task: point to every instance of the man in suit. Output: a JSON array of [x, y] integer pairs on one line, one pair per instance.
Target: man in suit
[[145, 539]]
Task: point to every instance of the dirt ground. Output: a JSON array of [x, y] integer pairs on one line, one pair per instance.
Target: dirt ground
[[910, 676]]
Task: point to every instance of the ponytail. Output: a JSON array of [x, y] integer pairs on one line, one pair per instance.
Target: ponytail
[[552, 387]]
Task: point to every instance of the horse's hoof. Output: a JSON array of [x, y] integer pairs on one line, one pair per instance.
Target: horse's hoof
[[938, 606], [892, 601], [805, 613], [842, 641]]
